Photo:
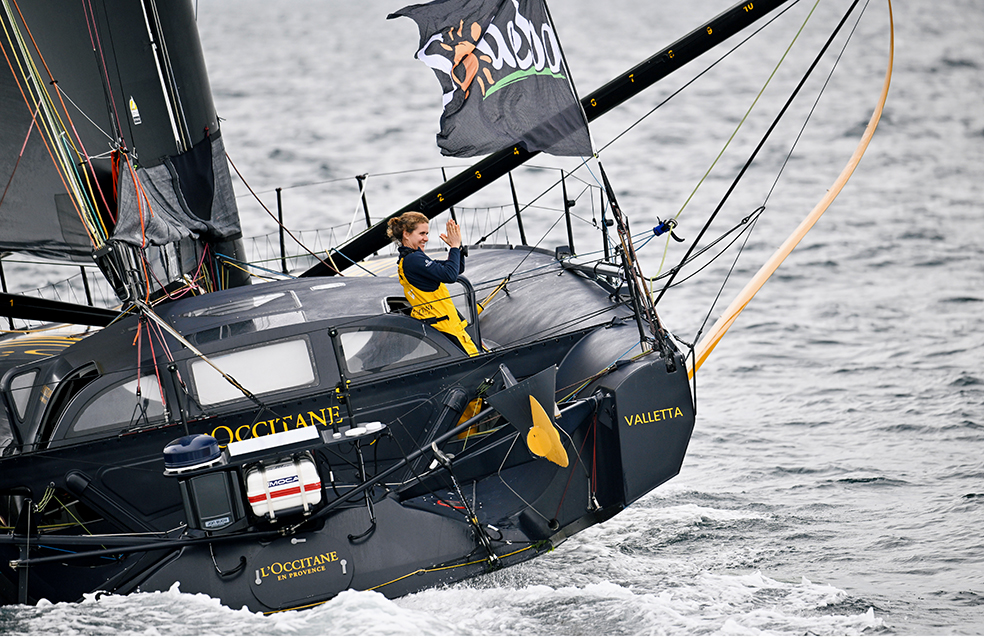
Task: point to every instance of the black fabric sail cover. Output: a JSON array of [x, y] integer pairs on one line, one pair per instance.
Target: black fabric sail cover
[[503, 76]]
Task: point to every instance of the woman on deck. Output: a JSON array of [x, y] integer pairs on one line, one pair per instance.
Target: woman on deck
[[424, 279]]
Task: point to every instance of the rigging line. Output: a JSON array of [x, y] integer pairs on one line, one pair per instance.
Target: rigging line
[[142, 198], [581, 384], [239, 264], [56, 159], [584, 162], [58, 92], [734, 133], [270, 213], [149, 312], [758, 147], [160, 338], [49, 492], [179, 140], [36, 48], [180, 292], [358, 205], [542, 238], [744, 221], [720, 292], [86, 116], [170, 78], [529, 204], [680, 90], [72, 515], [157, 371], [421, 571], [20, 155], [351, 177], [753, 218], [28, 76], [761, 209], [586, 470], [696, 77], [90, 179], [729, 316], [331, 258], [135, 534], [816, 102], [498, 474], [748, 112], [114, 116], [89, 202]]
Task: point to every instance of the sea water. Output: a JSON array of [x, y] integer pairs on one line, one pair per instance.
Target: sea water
[[835, 481]]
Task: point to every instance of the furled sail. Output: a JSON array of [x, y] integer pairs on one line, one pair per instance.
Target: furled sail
[[110, 143]]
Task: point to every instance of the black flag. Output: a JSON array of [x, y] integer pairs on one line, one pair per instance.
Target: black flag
[[504, 79]]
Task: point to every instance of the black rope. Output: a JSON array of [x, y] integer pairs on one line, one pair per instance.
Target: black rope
[[752, 217], [761, 209], [758, 147], [699, 75]]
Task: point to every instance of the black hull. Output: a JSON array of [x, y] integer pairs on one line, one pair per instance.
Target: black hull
[[386, 517]]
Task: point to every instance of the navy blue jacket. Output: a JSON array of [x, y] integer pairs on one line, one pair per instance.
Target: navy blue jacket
[[426, 274]]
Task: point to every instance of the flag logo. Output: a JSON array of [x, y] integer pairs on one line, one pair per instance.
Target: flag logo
[[503, 77]]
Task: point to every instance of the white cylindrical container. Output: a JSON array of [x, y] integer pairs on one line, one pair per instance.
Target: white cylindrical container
[[285, 486]]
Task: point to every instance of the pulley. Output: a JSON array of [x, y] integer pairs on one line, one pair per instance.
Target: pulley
[[666, 227]]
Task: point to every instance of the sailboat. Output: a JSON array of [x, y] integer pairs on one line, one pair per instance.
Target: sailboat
[[275, 443]]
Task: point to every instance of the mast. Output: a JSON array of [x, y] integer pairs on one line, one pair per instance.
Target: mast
[[110, 148], [601, 101]]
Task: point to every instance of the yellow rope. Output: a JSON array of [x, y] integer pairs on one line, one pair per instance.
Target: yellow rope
[[423, 571], [52, 128], [730, 139], [72, 515], [420, 571], [707, 344]]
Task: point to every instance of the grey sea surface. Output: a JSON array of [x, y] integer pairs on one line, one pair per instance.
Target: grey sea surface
[[835, 481]]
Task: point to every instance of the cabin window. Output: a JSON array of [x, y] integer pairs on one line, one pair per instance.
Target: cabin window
[[244, 327], [371, 351], [119, 406], [59, 400], [20, 390], [269, 303], [265, 369]]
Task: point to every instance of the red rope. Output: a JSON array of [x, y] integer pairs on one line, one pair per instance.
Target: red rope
[[27, 137], [65, 110], [58, 168]]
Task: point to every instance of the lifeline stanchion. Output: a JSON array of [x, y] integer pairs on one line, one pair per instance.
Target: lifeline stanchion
[[280, 219], [519, 217]]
